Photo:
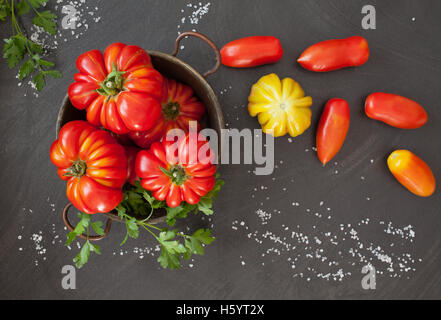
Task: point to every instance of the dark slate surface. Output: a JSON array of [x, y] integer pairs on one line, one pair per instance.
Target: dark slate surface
[[405, 59]]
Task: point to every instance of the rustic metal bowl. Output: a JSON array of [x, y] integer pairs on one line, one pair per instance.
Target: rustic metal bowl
[[170, 66]]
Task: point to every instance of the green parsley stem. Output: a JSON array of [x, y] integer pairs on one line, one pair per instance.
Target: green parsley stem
[[151, 232], [36, 11], [19, 31], [146, 219], [159, 229], [14, 22], [147, 226]]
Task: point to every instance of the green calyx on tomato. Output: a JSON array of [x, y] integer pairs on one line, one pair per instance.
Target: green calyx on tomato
[[78, 169], [113, 84], [171, 109], [176, 174]]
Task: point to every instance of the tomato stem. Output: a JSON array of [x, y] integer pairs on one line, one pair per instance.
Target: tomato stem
[[78, 169], [176, 174], [113, 84], [170, 110]]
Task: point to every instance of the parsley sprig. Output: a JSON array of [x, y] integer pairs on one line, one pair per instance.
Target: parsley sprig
[[175, 245], [19, 47], [83, 226], [136, 196], [136, 208]]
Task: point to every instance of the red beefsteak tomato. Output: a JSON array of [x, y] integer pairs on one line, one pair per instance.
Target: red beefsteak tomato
[[120, 89], [93, 164], [170, 172], [179, 107], [131, 153]]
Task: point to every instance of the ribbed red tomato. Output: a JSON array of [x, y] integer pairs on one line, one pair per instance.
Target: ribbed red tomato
[[93, 164], [179, 107], [170, 172], [131, 153], [120, 90]]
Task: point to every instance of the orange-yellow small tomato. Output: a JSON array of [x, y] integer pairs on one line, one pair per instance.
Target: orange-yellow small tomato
[[412, 172]]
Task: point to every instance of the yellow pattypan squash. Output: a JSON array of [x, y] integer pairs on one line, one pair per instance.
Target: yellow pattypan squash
[[281, 106]]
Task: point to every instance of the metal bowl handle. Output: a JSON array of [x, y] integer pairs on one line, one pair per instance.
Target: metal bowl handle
[[205, 39], [84, 236]]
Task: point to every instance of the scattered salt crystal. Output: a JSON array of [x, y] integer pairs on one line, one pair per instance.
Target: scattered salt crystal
[[295, 245], [198, 11]]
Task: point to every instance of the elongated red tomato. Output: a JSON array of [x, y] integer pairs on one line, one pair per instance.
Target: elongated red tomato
[[332, 130], [412, 172], [252, 52], [179, 107], [335, 54], [395, 110], [168, 170], [120, 90], [93, 164]]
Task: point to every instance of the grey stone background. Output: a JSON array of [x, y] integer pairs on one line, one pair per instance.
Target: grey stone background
[[405, 59]]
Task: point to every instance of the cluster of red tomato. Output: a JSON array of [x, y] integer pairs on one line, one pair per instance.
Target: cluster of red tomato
[[395, 110], [123, 94]]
